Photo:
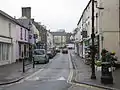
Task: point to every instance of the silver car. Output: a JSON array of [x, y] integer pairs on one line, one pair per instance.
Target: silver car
[[40, 56]]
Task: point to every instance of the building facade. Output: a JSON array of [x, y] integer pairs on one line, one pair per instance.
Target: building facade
[[22, 42], [49, 40], [59, 38], [10, 30], [106, 27]]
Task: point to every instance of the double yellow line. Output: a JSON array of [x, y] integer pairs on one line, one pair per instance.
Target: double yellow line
[[69, 80]]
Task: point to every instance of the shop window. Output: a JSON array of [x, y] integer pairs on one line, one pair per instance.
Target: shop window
[[25, 53], [4, 51], [7, 54], [0, 52], [20, 50]]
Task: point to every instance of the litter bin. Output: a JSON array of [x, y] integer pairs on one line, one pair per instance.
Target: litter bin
[[106, 74]]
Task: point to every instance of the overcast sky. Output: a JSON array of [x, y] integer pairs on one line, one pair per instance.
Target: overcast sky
[[55, 14]]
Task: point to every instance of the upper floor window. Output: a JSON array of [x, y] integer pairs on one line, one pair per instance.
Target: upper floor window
[[21, 37], [25, 35], [10, 29]]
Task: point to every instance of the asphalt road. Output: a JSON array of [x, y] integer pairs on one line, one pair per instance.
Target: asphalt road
[[55, 75]]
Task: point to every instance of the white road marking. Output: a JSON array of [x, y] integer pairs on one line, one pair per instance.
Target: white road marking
[[61, 78], [34, 74], [33, 79], [71, 70]]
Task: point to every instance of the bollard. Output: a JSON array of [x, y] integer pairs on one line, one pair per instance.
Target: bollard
[[33, 63], [23, 65]]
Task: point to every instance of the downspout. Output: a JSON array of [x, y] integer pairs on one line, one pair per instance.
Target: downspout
[[119, 26]]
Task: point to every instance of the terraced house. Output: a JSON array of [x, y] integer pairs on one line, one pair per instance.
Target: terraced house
[[9, 28], [107, 31]]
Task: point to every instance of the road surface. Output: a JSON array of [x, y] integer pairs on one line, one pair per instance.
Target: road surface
[[55, 75]]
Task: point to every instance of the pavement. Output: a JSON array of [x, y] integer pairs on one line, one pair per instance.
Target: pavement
[[12, 73], [82, 74]]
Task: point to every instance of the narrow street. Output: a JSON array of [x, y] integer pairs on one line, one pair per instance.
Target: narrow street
[[52, 76]]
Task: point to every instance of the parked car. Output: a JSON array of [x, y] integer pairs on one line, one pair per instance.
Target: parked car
[[65, 51], [50, 54], [70, 46], [57, 50], [53, 51], [40, 56]]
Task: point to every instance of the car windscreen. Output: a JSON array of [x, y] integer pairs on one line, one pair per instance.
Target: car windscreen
[[39, 52]]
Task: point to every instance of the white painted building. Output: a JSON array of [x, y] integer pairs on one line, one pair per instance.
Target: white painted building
[[106, 25], [8, 38], [77, 40], [59, 38], [49, 40]]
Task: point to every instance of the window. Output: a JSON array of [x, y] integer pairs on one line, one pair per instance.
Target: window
[[39, 52], [25, 34], [21, 34], [9, 29], [4, 51], [7, 54], [0, 52], [25, 53], [19, 49]]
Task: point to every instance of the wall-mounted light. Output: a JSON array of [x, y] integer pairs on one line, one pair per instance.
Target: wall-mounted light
[[102, 38], [101, 8]]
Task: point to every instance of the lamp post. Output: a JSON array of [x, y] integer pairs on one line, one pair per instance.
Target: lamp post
[[30, 45], [93, 46]]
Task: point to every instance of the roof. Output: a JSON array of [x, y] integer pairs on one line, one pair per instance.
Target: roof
[[11, 18], [59, 33], [84, 11], [24, 22]]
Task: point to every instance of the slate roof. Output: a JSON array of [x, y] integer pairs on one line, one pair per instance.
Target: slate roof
[[11, 18], [24, 22]]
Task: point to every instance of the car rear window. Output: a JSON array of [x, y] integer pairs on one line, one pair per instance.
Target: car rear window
[[39, 52]]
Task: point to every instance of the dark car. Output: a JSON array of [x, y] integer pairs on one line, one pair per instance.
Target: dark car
[[65, 51], [50, 54]]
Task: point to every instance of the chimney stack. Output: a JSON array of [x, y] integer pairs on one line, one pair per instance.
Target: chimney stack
[[26, 11]]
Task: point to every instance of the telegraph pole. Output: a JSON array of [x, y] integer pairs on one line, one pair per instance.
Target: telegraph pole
[[93, 47]]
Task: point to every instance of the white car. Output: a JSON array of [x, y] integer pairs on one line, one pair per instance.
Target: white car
[[40, 56]]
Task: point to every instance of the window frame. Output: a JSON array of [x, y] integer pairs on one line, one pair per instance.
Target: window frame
[[25, 34], [21, 36]]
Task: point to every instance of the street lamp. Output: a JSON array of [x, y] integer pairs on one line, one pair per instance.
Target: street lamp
[[93, 47], [30, 45]]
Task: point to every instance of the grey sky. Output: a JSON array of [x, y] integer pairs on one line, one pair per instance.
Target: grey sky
[[55, 14]]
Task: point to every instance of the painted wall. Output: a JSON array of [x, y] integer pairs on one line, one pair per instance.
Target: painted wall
[[109, 25], [21, 36], [8, 29], [49, 40]]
